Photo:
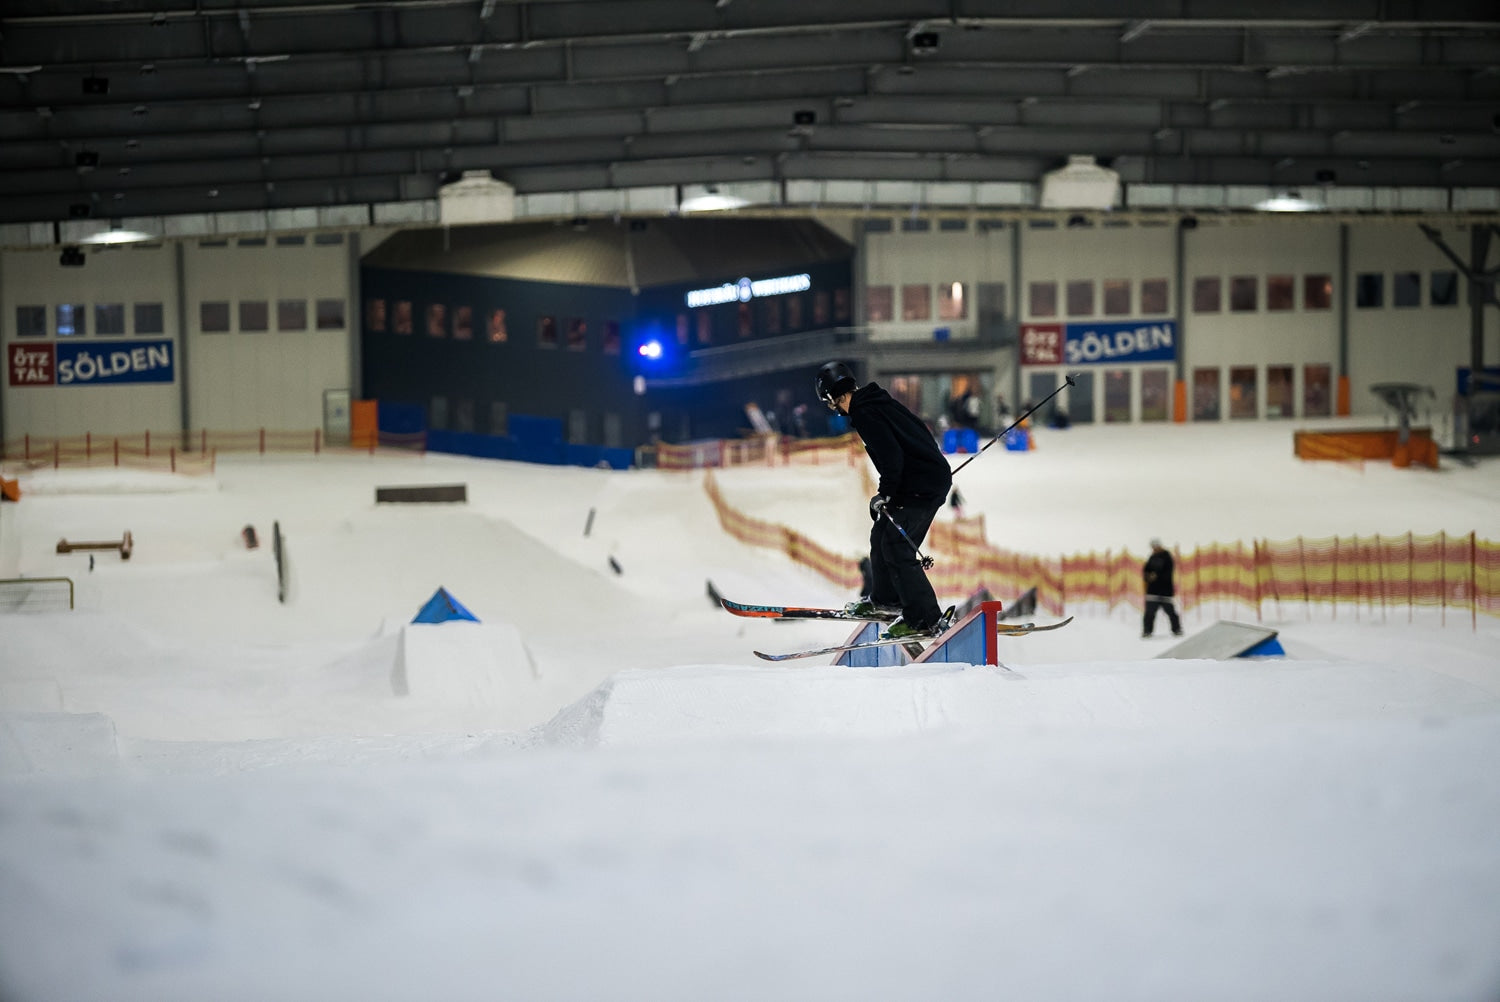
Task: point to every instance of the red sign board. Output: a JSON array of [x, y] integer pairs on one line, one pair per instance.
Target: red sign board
[[1041, 344], [31, 364]]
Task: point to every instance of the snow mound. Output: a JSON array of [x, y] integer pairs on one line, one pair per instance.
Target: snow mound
[[57, 743]]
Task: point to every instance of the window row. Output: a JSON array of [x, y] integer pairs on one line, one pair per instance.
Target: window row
[[1317, 291], [440, 321], [72, 320], [1114, 297], [253, 316]]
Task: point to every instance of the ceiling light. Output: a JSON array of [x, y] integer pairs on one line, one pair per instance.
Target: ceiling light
[[115, 235], [708, 198], [1288, 201]]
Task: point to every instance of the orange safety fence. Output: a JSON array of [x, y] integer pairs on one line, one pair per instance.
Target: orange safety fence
[[1356, 445], [761, 450], [1360, 576]]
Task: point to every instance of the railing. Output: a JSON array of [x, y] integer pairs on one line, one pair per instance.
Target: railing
[[35, 594], [191, 452]]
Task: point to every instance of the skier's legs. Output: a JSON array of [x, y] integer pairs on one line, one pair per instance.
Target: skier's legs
[[1148, 623], [1171, 608], [882, 582], [903, 569]]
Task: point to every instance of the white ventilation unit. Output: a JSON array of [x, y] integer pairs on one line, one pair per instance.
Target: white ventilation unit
[[1082, 184], [476, 198]]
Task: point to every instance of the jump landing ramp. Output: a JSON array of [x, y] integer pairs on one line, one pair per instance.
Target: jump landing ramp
[[1225, 640]]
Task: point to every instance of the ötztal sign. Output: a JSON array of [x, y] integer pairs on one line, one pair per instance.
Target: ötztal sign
[[1099, 343], [745, 290]]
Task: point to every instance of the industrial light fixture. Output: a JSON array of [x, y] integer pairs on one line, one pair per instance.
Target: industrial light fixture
[[708, 198], [116, 235], [72, 257], [1290, 200], [1081, 184]]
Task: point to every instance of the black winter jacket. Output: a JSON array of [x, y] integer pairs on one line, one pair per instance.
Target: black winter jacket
[[1158, 574], [913, 470]]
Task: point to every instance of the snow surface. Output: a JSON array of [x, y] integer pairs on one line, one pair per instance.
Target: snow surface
[[597, 792]]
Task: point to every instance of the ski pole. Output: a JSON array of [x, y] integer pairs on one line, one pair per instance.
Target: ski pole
[[926, 560], [1067, 381]]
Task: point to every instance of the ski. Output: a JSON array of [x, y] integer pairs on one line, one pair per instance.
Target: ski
[[1005, 630], [796, 612]]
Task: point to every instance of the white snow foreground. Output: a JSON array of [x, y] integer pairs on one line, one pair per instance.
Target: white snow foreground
[[1124, 830]]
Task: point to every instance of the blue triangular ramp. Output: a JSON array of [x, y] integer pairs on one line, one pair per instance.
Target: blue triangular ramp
[[1267, 648], [443, 607]]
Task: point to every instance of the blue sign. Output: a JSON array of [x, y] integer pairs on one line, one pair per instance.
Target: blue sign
[[1121, 343], [128, 362]]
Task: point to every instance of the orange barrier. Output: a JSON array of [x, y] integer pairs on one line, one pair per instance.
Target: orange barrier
[[364, 424], [1362, 444], [761, 450], [10, 490]]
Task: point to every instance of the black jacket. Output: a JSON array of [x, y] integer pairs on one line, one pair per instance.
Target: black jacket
[[913, 470], [1158, 573]]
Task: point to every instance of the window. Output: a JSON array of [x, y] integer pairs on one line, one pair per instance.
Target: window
[[252, 241], [546, 331], [841, 310], [771, 315], [31, 321], [821, 309], [793, 313], [578, 334], [291, 315], [328, 239], [1281, 401], [463, 408], [1406, 288], [1154, 296], [1080, 298], [1242, 392], [1206, 295], [109, 319], [374, 315], [910, 225], [879, 304], [213, 318], [331, 312], [744, 325], [72, 320], [684, 329], [498, 333], [1116, 396], [1244, 291], [255, 316], [611, 337], [149, 319], [706, 324], [463, 330], [953, 304], [1116, 304], [916, 302], [403, 319], [1317, 398], [293, 240], [1206, 394], [1442, 288], [1041, 299], [437, 414], [1155, 394], [878, 226], [953, 225], [1317, 292], [1369, 290], [1281, 292], [437, 320], [499, 417]]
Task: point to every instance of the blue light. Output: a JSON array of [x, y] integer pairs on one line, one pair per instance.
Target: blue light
[[650, 349]]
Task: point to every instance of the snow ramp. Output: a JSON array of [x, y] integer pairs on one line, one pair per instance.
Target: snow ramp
[[730, 702]]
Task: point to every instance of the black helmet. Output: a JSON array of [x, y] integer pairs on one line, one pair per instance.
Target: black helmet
[[833, 380]]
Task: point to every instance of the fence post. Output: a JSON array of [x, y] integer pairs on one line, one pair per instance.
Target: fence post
[[26, 446], [56, 454], [262, 441], [117, 451], [1473, 582], [1411, 570], [148, 445], [1443, 576], [88, 445], [317, 441], [173, 459], [1334, 588]]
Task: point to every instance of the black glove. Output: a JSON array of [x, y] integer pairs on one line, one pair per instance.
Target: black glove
[[878, 505]]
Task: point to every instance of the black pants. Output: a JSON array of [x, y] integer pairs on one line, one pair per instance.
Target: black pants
[[895, 570], [1153, 602]]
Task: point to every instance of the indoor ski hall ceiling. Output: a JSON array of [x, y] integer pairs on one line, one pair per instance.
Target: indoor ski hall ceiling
[[137, 108]]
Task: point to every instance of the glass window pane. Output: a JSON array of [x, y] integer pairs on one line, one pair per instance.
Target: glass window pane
[[1281, 399], [1406, 288], [953, 303], [437, 320], [109, 318], [72, 320], [403, 320], [611, 337], [1443, 288], [1154, 296], [916, 302], [1317, 395], [1244, 290], [498, 332], [771, 313], [437, 414], [1042, 299], [213, 318], [1116, 299], [1206, 394], [1281, 292], [706, 326], [463, 326], [1116, 395], [1081, 298], [291, 315], [330, 314], [578, 334], [794, 310], [375, 315], [546, 331], [1242, 392], [499, 417], [1369, 290], [149, 318], [1156, 394], [1206, 294], [745, 326], [255, 316], [879, 301], [1317, 292], [463, 407], [31, 321], [841, 310], [822, 310], [684, 326]]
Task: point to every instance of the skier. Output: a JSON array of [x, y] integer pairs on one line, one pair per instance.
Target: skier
[[1158, 576], [914, 483]]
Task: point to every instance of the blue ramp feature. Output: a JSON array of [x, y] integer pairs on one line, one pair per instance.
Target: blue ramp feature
[[1225, 640], [872, 657], [443, 608]]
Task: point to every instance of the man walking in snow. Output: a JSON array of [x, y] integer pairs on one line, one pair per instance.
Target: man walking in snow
[[1159, 590], [914, 483]]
